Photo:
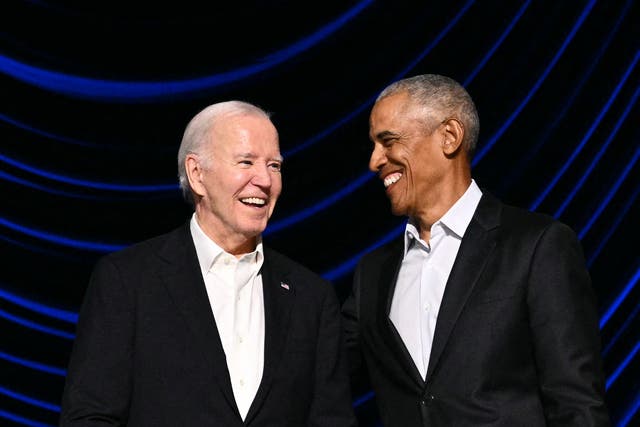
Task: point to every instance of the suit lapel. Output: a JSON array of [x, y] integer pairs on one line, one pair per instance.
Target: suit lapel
[[279, 294], [476, 247], [183, 279]]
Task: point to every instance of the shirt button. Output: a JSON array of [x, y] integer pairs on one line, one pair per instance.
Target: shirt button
[[240, 340], [241, 383]]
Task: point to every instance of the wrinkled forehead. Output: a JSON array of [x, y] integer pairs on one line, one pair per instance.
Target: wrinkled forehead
[[246, 133]]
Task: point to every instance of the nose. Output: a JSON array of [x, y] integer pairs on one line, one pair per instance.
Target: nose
[[261, 176], [377, 159]]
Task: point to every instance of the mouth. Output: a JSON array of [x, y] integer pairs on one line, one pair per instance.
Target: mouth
[[391, 179], [257, 202]]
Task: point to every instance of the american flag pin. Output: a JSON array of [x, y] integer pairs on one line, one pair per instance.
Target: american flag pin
[[284, 285]]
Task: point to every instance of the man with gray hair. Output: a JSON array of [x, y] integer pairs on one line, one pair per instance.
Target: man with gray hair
[[480, 314], [205, 325]]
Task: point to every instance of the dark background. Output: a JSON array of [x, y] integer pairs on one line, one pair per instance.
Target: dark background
[[95, 97]]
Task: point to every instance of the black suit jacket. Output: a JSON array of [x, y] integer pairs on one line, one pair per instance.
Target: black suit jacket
[[147, 351], [516, 340]]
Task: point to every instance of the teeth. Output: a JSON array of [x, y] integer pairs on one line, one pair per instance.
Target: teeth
[[392, 178], [254, 201]]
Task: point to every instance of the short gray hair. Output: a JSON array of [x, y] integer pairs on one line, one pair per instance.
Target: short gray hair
[[198, 132], [441, 94]]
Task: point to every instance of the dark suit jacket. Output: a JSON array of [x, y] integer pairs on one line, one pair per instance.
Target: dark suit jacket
[[516, 340], [147, 351]]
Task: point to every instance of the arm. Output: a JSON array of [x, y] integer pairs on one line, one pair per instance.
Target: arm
[[351, 327], [98, 381], [331, 406], [564, 322]]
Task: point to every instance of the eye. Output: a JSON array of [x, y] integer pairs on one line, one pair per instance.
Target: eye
[[245, 162], [388, 142], [275, 166]]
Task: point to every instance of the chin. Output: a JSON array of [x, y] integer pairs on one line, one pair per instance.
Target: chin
[[254, 229], [398, 210]]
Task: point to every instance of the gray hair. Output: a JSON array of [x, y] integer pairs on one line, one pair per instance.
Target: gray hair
[[442, 95], [198, 131]]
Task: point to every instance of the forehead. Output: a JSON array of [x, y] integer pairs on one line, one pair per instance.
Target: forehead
[[394, 113], [246, 133]]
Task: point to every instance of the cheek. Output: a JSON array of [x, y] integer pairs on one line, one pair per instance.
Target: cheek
[[276, 185]]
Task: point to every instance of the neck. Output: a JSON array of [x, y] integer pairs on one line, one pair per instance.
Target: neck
[[438, 204], [233, 243]]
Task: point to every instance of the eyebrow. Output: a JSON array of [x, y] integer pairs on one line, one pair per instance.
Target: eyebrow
[[384, 134], [253, 156]]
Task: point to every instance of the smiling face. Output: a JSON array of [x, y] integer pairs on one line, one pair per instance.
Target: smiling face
[[408, 154], [237, 180]]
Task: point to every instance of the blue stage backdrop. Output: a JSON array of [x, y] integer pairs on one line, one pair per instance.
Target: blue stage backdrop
[[95, 98]]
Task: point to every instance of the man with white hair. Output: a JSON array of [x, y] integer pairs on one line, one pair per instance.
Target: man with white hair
[[205, 325]]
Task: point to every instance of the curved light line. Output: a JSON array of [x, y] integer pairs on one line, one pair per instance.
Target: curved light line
[[22, 420], [61, 240], [367, 176], [25, 183], [485, 149], [620, 298], [31, 129], [598, 155], [345, 267], [620, 330], [614, 376], [72, 141], [610, 194], [29, 400], [631, 411], [36, 326], [364, 178], [132, 91], [497, 44], [569, 100], [33, 365], [38, 249], [586, 137], [621, 214], [305, 213], [365, 104], [56, 313], [85, 183]]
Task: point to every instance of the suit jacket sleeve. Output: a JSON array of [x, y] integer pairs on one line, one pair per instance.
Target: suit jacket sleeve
[[350, 319], [564, 322], [97, 388], [331, 406]]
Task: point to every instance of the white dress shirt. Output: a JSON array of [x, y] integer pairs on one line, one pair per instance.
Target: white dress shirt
[[424, 273], [234, 287]]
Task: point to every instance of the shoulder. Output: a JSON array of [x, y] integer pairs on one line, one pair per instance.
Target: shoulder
[[149, 251], [520, 229], [515, 219], [531, 222]]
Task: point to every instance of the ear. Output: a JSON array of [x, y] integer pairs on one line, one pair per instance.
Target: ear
[[195, 174], [453, 135]]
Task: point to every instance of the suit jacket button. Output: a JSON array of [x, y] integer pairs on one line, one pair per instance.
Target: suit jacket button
[[426, 401]]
